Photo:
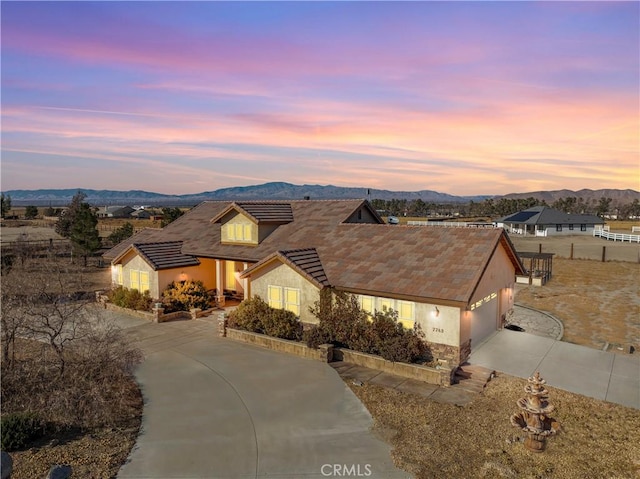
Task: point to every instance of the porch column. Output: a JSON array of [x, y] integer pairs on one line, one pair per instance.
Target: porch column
[[245, 282], [219, 283]]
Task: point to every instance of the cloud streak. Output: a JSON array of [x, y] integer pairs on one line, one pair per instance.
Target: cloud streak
[[454, 97]]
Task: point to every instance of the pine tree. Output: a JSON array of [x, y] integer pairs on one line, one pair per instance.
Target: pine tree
[[84, 232]]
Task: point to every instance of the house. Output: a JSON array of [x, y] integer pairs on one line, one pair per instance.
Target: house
[[455, 283], [114, 211], [545, 221]]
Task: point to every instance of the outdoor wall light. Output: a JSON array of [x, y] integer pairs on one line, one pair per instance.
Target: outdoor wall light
[[437, 313]]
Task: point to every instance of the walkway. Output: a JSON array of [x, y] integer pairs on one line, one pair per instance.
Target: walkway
[[537, 322], [602, 375], [221, 409]]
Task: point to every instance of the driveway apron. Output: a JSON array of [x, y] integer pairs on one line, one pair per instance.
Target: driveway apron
[[602, 375], [215, 408]]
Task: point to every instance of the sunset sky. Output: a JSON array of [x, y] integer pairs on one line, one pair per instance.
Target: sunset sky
[[459, 97]]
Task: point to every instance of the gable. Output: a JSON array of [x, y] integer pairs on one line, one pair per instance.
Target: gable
[[238, 228]]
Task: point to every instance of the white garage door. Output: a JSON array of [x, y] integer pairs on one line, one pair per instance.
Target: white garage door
[[484, 322]]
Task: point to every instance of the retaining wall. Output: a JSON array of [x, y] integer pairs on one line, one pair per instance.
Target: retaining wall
[[328, 353]]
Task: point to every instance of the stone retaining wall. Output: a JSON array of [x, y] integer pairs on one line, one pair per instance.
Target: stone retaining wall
[[156, 315], [439, 376], [327, 353], [323, 353]]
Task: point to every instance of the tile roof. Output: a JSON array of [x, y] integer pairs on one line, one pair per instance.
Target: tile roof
[[305, 261], [260, 212], [395, 260], [165, 255], [160, 255]]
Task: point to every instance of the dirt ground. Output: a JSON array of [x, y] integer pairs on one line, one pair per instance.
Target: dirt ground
[[443, 441], [598, 303], [584, 247]]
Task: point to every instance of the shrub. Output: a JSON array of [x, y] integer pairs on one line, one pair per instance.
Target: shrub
[[343, 323], [281, 323], [184, 295], [315, 336], [130, 298], [257, 316], [19, 430]]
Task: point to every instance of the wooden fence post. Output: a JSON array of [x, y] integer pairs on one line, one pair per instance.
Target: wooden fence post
[[571, 255], [604, 253]]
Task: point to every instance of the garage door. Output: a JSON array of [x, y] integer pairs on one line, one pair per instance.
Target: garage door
[[484, 322]]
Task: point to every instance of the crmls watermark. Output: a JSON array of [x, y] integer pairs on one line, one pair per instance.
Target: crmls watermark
[[346, 470]]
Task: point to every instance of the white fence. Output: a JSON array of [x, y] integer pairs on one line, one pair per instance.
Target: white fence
[[635, 228], [451, 224], [616, 236]]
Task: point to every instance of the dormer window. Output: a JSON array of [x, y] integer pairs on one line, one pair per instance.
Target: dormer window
[[239, 229], [249, 223]]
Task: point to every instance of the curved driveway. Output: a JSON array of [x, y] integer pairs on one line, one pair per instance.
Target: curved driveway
[[215, 408]]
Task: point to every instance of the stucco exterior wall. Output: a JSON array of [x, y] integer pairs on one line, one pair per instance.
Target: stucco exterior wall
[[493, 297], [442, 327], [206, 273], [132, 261], [361, 215], [279, 274]]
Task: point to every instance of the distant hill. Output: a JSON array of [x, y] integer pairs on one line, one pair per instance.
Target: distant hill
[[272, 191], [285, 191]]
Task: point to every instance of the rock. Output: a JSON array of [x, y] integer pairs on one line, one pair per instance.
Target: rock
[[493, 452], [6, 465], [356, 383], [629, 349], [59, 472]]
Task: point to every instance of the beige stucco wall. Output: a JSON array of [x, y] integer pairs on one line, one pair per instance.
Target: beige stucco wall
[[132, 261], [279, 274], [499, 278], [443, 327]]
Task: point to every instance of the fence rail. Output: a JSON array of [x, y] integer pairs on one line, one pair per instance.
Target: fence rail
[[616, 236], [451, 224]]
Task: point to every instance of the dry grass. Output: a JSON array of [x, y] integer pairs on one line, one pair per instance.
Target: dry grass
[[597, 302], [433, 440]]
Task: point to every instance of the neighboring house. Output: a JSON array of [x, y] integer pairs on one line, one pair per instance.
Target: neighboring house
[[114, 211], [545, 221], [455, 283]]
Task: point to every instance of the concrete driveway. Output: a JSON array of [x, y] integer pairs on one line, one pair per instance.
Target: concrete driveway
[[215, 408], [602, 375]]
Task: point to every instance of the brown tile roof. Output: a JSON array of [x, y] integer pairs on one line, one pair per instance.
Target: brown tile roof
[[260, 212], [400, 261], [165, 255]]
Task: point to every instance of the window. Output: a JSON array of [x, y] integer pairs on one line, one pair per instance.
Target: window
[[275, 297], [583, 227], [284, 298], [134, 279], [117, 274], [230, 275], [367, 303], [139, 280], [144, 281], [558, 227], [240, 232], [406, 314], [292, 300], [385, 304]]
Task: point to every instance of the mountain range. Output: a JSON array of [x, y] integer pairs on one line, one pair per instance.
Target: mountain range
[[288, 191]]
